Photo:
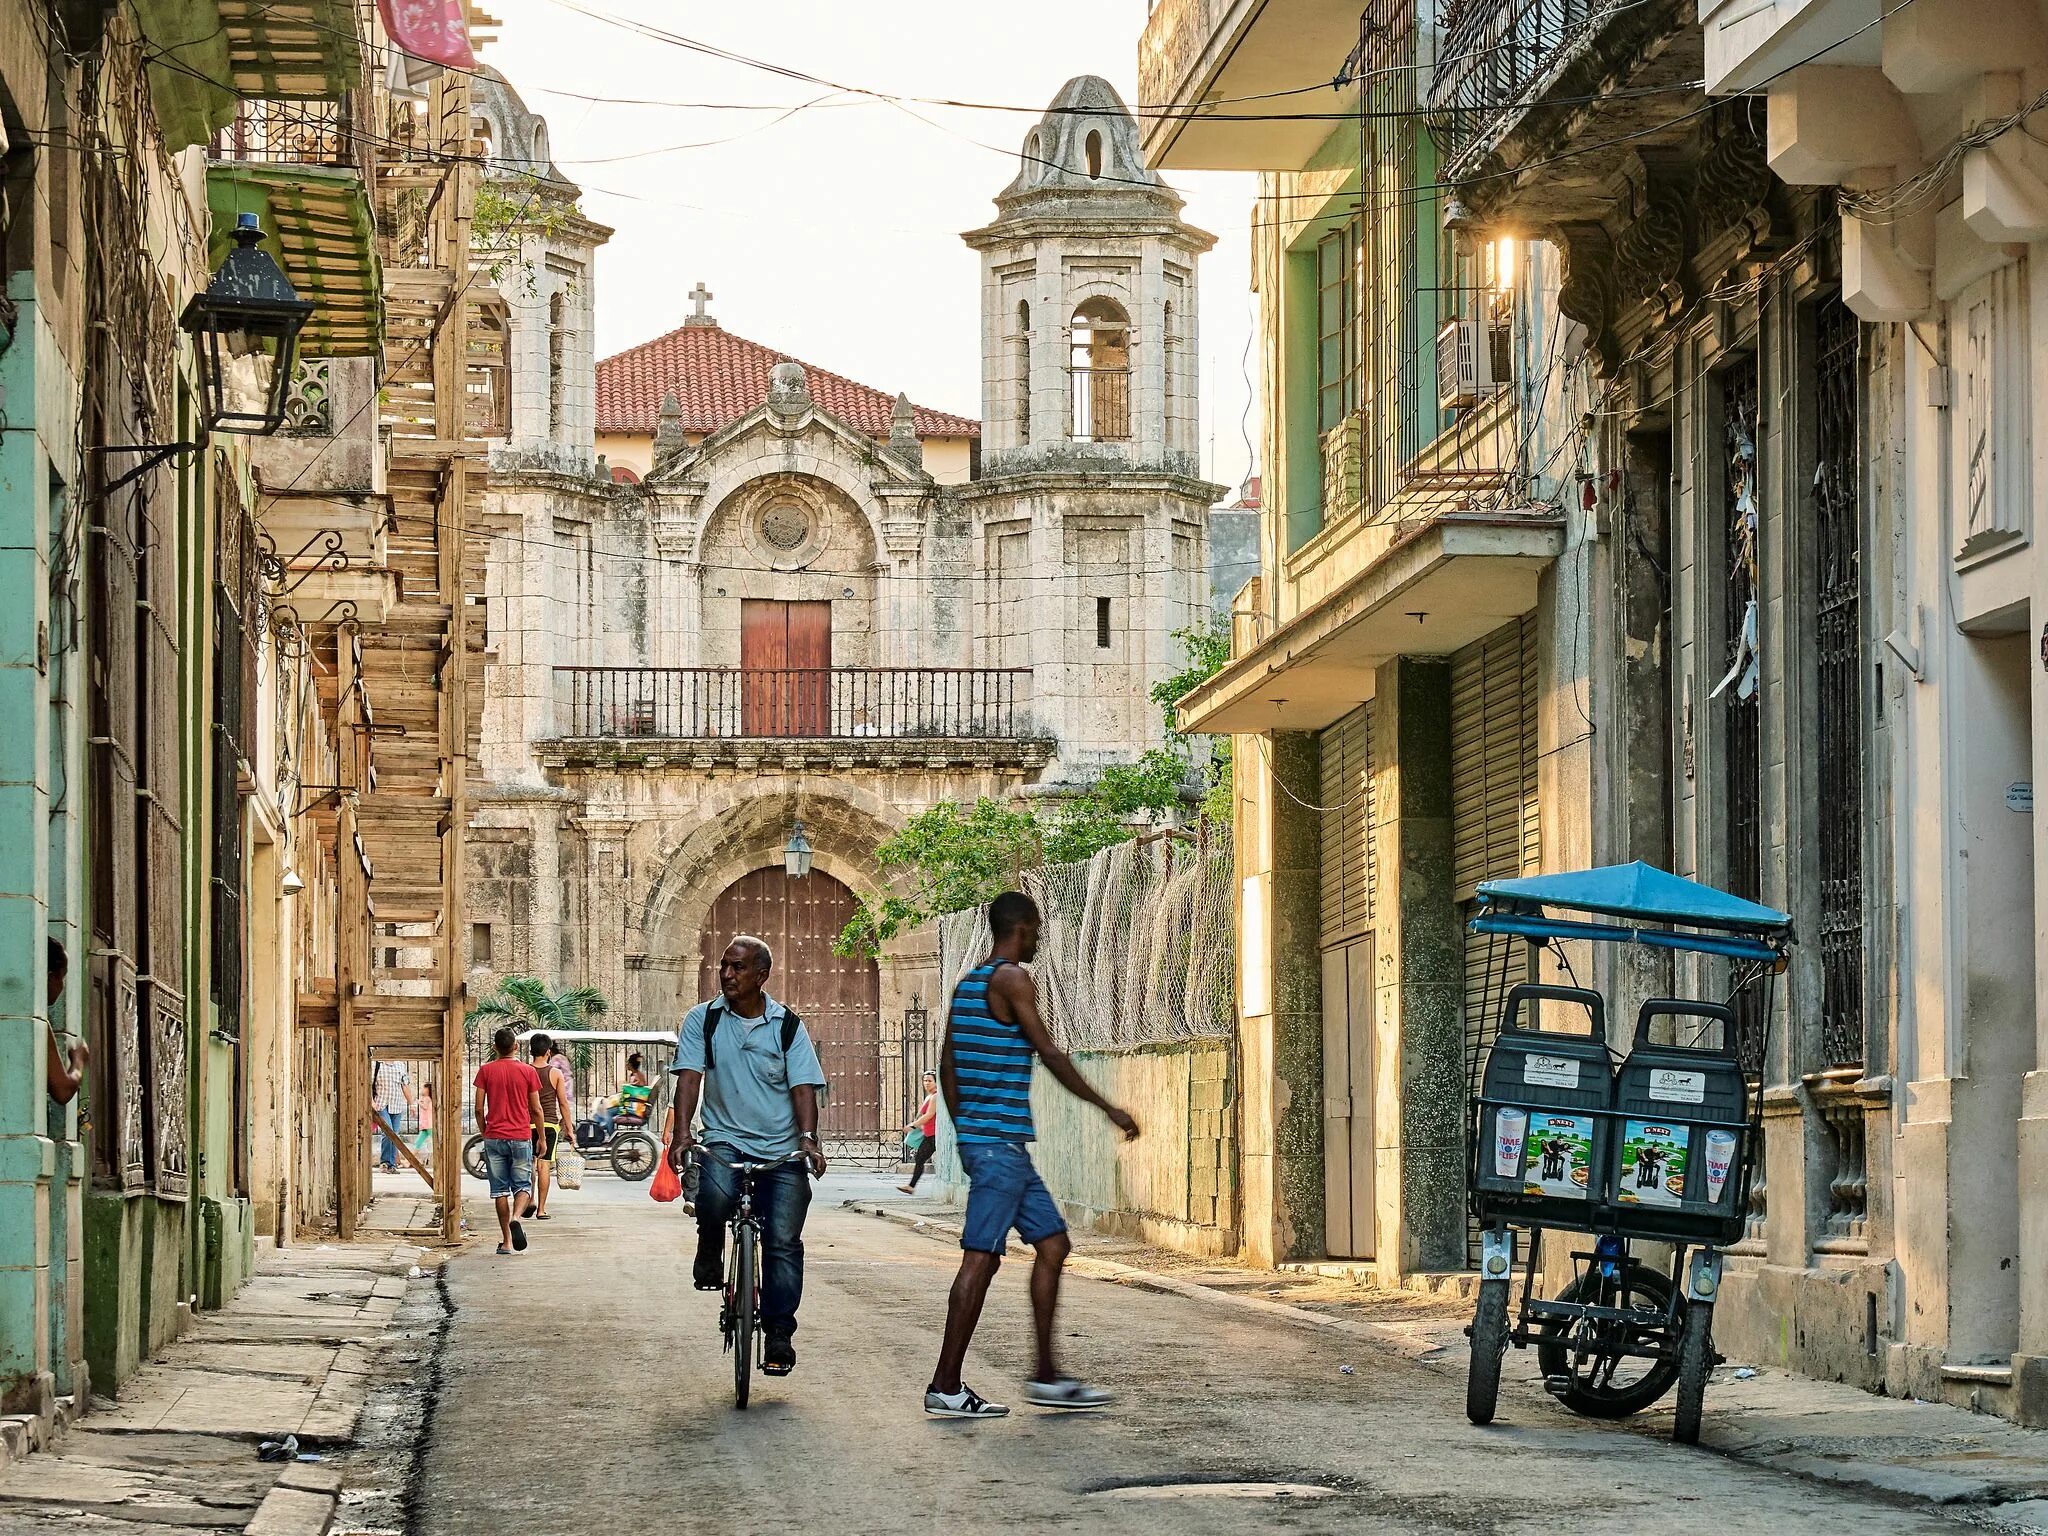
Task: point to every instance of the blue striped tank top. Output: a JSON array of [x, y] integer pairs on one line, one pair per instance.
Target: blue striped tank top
[[991, 1063]]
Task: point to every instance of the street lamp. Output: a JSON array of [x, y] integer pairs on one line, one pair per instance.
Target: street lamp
[[796, 853], [246, 326]]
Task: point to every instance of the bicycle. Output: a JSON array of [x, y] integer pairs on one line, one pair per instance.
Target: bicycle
[[740, 1303]]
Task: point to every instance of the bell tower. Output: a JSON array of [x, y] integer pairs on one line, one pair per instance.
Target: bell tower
[[1090, 515], [1089, 339]]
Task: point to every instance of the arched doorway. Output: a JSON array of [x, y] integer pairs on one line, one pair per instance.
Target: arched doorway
[[840, 999]]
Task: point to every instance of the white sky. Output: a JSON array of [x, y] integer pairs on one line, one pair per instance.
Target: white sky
[[834, 234]]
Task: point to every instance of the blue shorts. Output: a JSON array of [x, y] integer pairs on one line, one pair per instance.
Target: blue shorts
[[1005, 1191], [509, 1164]]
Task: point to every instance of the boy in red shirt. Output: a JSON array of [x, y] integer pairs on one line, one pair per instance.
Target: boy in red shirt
[[508, 1113]]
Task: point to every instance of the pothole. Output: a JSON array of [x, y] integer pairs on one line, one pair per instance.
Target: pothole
[[1222, 1490]]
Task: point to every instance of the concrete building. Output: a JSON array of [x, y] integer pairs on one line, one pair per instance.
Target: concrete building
[[789, 601]]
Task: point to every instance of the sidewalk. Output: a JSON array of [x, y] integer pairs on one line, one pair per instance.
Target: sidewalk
[[1983, 1469], [296, 1353]]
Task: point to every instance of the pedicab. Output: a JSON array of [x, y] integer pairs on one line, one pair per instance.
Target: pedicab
[[1648, 1153], [628, 1142]]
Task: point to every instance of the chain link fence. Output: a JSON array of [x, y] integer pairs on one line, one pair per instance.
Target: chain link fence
[[1138, 944]]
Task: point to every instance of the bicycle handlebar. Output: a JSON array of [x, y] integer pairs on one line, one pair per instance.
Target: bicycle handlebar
[[700, 1150]]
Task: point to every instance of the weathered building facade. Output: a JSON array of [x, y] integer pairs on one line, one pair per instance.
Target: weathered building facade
[[792, 621]]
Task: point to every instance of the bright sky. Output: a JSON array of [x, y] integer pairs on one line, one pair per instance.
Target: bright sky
[[833, 234]]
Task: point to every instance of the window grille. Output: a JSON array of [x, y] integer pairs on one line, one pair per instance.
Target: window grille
[[1742, 848]]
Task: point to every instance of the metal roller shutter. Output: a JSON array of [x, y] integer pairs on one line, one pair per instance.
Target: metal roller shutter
[[1349, 860], [1495, 829]]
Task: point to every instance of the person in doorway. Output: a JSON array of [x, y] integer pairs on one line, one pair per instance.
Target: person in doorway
[[508, 1112], [923, 1132], [391, 1093], [992, 1034], [61, 1083], [423, 1138], [554, 1105], [750, 1062]]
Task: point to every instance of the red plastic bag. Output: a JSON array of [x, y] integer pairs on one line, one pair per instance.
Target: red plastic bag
[[668, 1184]]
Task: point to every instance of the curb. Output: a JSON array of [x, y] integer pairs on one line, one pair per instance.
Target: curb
[[302, 1502], [1394, 1340]]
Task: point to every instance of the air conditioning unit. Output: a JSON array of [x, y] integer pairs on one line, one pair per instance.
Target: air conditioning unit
[[1464, 364]]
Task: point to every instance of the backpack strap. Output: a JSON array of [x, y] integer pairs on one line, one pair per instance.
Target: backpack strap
[[791, 1023], [711, 1017]]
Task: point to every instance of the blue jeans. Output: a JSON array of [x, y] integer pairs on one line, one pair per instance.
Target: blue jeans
[[1004, 1191], [781, 1199], [387, 1152], [509, 1165]]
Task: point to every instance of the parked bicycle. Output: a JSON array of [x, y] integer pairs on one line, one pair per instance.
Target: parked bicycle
[[739, 1311]]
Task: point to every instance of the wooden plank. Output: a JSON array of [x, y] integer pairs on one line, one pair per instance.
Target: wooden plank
[[404, 1151]]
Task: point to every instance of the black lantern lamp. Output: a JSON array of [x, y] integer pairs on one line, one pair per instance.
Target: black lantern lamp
[[796, 853], [246, 326]]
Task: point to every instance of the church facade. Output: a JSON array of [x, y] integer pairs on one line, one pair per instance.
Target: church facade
[[782, 604]]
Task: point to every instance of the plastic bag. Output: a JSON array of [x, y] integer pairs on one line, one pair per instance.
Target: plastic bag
[[668, 1185], [568, 1168]]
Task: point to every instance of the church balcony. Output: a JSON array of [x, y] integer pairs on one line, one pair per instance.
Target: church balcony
[[1537, 104], [845, 716]]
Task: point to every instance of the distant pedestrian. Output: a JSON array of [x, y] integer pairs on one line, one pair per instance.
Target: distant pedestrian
[[391, 1092], [61, 1084], [554, 1104], [423, 1107], [508, 1113], [992, 1034], [923, 1132], [633, 1100]]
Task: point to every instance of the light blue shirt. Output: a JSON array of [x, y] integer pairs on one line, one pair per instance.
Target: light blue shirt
[[746, 1093]]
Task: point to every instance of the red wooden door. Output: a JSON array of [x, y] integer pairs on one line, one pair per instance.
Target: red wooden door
[[785, 662], [840, 998]]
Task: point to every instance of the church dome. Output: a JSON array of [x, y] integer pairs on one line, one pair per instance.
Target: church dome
[[1086, 146]]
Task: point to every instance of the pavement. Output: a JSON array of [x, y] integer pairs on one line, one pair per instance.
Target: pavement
[[1297, 1402]]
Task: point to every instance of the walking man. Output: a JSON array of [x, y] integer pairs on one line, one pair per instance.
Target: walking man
[[751, 1062], [992, 1035], [391, 1092], [508, 1113], [554, 1112]]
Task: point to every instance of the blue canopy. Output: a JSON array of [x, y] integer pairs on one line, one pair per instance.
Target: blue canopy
[[1640, 892]]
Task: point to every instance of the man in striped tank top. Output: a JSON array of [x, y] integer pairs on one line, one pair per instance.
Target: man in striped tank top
[[992, 1036]]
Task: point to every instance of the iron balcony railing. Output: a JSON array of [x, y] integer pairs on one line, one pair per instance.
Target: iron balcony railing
[[1496, 56], [290, 133], [1102, 404], [836, 703]]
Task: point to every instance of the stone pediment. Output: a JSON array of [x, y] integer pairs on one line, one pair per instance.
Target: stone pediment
[[789, 419]]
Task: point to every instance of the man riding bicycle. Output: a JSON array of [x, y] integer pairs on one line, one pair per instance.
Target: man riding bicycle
[[752, 1063]]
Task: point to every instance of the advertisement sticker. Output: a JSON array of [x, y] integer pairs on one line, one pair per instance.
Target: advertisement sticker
[[1551, 1071], [1652, 1163], [1560, 1160]]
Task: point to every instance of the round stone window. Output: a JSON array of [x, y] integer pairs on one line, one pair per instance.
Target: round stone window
[[786, 526]]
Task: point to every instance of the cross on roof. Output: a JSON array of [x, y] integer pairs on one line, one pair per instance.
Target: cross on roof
[[700, 296]]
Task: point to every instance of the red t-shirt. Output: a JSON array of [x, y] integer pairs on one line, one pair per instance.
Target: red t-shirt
[[505, 1084]]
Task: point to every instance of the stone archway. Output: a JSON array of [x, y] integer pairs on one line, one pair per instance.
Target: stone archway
[[839, 998]]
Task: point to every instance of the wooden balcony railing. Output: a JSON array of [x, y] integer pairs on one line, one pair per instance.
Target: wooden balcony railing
[[837, 703]]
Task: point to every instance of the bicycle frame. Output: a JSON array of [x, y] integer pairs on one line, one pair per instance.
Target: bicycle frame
[[740, 1302]]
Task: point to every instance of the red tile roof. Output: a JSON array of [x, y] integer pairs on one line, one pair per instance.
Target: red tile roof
[[719, 377]]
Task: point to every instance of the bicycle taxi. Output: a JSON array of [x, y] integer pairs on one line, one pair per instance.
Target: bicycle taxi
[[630, 1141], [1648, 1152]]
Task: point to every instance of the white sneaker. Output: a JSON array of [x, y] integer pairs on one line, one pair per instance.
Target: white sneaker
[[1066, 1393], [964, 1404]]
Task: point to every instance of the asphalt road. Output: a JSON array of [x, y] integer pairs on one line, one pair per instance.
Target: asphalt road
[[582, 1389]]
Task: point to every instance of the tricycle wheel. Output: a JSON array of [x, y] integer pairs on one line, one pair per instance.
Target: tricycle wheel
[[1695, 1364], [1489, 1343], [1579, 1352], [634, 1155]]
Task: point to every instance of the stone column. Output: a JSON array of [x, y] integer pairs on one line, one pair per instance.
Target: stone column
[[1419, 986]]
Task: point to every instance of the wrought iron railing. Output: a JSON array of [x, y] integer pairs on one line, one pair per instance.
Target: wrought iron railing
[[839, 703], [290, 133], [1494, 58], [1102, 404]]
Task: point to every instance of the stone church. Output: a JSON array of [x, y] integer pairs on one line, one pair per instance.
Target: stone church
[[734, 599]]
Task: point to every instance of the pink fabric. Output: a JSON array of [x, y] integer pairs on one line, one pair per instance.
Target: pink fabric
[[435, 30]]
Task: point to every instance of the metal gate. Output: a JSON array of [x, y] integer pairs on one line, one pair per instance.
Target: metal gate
[[838, 997], [910, 1050], [1741, 768]]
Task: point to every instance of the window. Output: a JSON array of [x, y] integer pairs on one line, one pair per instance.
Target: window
[[1023, 372], [557, 371], [1742, 827], [1101, 372], [479, 943], [1102, 623], [1093, 150], [1336, 327]]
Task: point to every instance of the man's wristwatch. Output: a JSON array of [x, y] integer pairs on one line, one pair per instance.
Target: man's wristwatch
[[810, 1136]]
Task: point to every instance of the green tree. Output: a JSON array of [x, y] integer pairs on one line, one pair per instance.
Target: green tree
[[1208, 652], [525, 1003]]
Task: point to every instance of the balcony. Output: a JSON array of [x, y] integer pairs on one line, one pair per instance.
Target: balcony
[[874, 716], [1537, 104], [1222, 51], [1101, 409]]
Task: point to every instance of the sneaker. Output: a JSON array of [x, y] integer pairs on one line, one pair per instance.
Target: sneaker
[[908, 1189], [778, 1357], [518, 1238], [708, 1273], [964, 1404], [1066, 1393]]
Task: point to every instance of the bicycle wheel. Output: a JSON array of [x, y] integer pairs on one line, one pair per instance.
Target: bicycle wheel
[[744, 1300], [1695, 1365], [473, 1158], [1599, 1381], [1489, 1343]]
